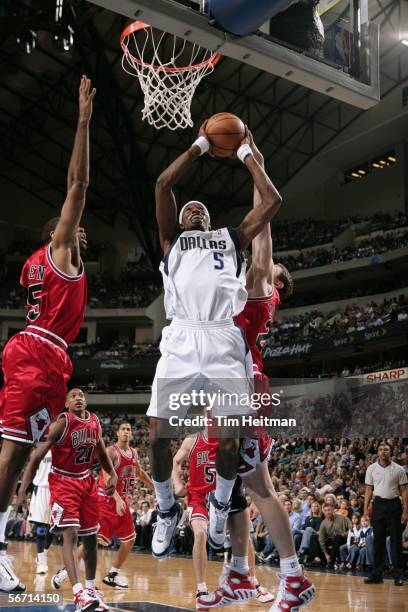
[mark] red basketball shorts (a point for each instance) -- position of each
(110, 523)
(196, 506)
(35, 380)
(74, 503)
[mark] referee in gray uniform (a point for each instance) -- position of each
(387, 481)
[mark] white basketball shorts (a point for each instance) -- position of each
(208, 357)
(40, 509)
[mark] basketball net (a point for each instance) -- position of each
(168, 86)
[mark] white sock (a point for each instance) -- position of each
(240, 564)
(113, 570)
(290, 566)
(223, 489)
(164, 494)
(77, 588)
(202, 587)
(89, 584)
(3, 524)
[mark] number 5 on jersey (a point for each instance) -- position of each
(219, 259)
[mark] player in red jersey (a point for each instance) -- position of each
(115, 517)
(267, 284)
(75, 440)
(201, 453)
(35, 364)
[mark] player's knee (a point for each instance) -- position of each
(261, 490)
(14, 456)
(70, 536)
(41, 531)
(89, 542)
(129, 543)
(200, 535)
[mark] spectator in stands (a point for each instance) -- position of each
(350, 551)
(332, 534)
(145, 526)
(366, 531)
(309, 545)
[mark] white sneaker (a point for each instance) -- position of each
(217, 524)
(9, 582)
(263, 595)
(42, 565)
(59, 578)
(114, 579)
(164, 530)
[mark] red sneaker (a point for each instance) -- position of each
(97, 594)
(84, 601)
(294, 592)
(235, 588)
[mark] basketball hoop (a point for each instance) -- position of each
(168, 85)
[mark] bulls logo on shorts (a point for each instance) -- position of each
(56, 514)
(39, 422)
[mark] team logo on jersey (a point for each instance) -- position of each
(39, 421)
(203, 458)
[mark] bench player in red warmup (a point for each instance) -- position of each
(115, 517)
(267, 284)
(75, 440)
(35, 363)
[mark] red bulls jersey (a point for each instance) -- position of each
(256, 320)
(74, 452)
(202, 465)
(125, 471)
(56, 302)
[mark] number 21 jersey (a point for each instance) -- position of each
(74, 452)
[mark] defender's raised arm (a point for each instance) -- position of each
(269, 197)
(64, 238)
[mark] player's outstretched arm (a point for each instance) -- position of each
(269, 199)
(260, 274)
(144, 477)
(65, 239)
(55, 431)
(166, 206)
(110, 475)
(178, 460)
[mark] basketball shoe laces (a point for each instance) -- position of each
(162, 524)
(221, 516)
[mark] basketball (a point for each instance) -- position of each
(225, 132)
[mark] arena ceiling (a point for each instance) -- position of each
(38, 109)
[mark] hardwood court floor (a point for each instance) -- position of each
(171, 582)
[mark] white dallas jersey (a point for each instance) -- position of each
(41, 475)
(204, 276)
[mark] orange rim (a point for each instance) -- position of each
(136, 26)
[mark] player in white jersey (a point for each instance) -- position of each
(40, 513)
(204, 283)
